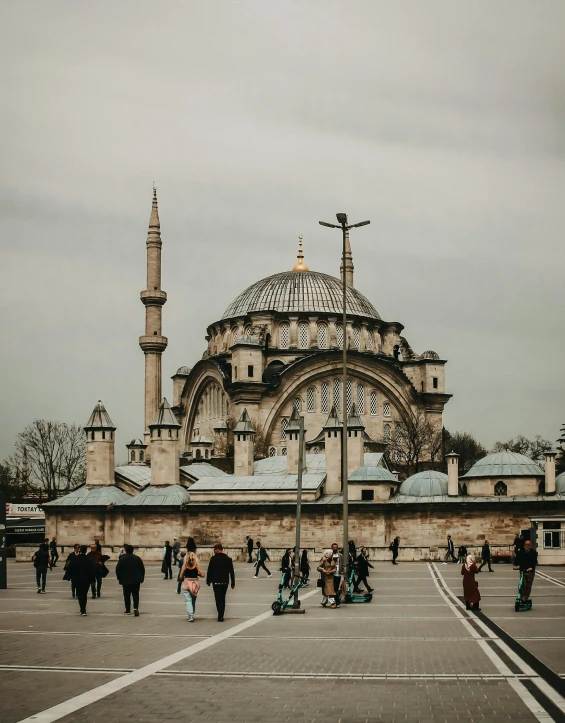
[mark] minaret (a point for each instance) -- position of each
(348, 262)
(153, 343)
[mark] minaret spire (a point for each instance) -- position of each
(348, 261)
(300, 265)
(153, 298)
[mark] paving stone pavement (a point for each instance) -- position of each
(413, 654)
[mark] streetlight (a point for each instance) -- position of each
(344, 226)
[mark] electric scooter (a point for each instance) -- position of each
(354, 597)
(521, 604)
(281, 604)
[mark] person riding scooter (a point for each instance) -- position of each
(526, 561)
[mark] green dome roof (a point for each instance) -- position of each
(504, 464)
(429, 483)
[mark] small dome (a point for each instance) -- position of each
(183, 370)
(505, 464)
(429, 355)
(429, 483)
(560, 484)
(136, 443)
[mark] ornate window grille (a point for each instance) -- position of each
(234, 336)
(339, 335)
(387, 432)
(284, 335)
(386, 409)
(284, 427)
(337, 394)
(316, 450)
(373, 403)
(356, 338)
(303, 335)
(298, 404)
(360, 399)
(272, 452)
(310, 399)
(322, 336)
(325, 397)
(349, 394)
(369, 341)
(500, 489)
(248, 330)
(283, 451)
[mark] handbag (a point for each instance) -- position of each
(319, 582)
(191, 585)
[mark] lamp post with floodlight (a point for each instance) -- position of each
(344, 226)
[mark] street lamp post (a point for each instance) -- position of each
(344, 226)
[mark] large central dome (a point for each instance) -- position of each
(292, 292)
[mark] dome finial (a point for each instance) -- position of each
(300, 265)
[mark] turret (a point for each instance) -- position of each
(243, 443)
(550, 472)
(100, 447)
(164, 431)
(452, 474)
(333, 429)
(136, 451)
(355, 441)
(153, 298)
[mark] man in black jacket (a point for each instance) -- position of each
(130, 572)
(220, 573)
(82, 573)
(526, 561)
(362, 566)
(41, 561)
(485, 554)
(249, 549)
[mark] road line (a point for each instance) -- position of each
(102, 691)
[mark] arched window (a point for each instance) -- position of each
(399, 434)
(386, 409)
(198, 454)
(141, 456)
(316, 450)
(387, 432)
(339, 336)
(283, 451)
(325, 397)
(360, 399)
(355, 338)
(322, 336)
(206, 454)
(132, 455)
(284, 335)
(369, 340)
(500, 489)
(349, 394)
(298, 404)
(247, 331)
(303, 335)
(310, 399)
(272, 452)
(234, 335)
(337, 394)
(284, 426)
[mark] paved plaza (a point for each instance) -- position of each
(413, 654)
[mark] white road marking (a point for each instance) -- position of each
(92, 696)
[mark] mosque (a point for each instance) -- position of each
(221, 462)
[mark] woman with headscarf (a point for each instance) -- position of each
(470, 586)
(327, 568)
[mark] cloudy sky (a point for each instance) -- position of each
(441, 122)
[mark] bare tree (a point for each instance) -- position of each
(14, 487)
(532, 448)
(415, 440)
(466, 446)
(56, 456)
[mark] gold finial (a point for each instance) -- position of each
(300, 265)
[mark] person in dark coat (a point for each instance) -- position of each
(130, 572)
(393, 547)
(262, 557)
(526, 561)
(219, 574)
(41, 561)
(286, 568)
(304, 567)
(462, 554)
(98, 560)
(66, 576)
(191, 545)
(362, 566)
(518, 543)
(485, 555)
(54, 552)
(167, 558)
(249, 542)
(470, 587)
(450, 554)
(82, 572)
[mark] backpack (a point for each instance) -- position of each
(391, 546)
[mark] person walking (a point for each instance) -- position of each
(327, 569)
(363, 565)
(167, 557)
(53, 552)
(526, 561)
(41, 561)
(98, 562)
(66, 576)
(180, 563)
(485, 556)
(471, 592)
(393, 547)
(286, 568)
(304, 567)
(191, 545)
(450, 553)
(219, 574)
(518, 543)
(461, 554)
(130, 572)
(188, 575)
(262, 555)
(176, 550)
(83, 574)
(98, 546)
(249, 542)
(338, 560)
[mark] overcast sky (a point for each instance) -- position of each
(441, 122)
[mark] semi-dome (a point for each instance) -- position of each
(560, 484)
(291, 292)
(428, 483)
(505, 464)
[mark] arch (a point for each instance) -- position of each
(284, 335)
(303, 335)
(132, 456)
(198, 454)
(205, 454)
(141, 456)
(206, 373)
(500, 489)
